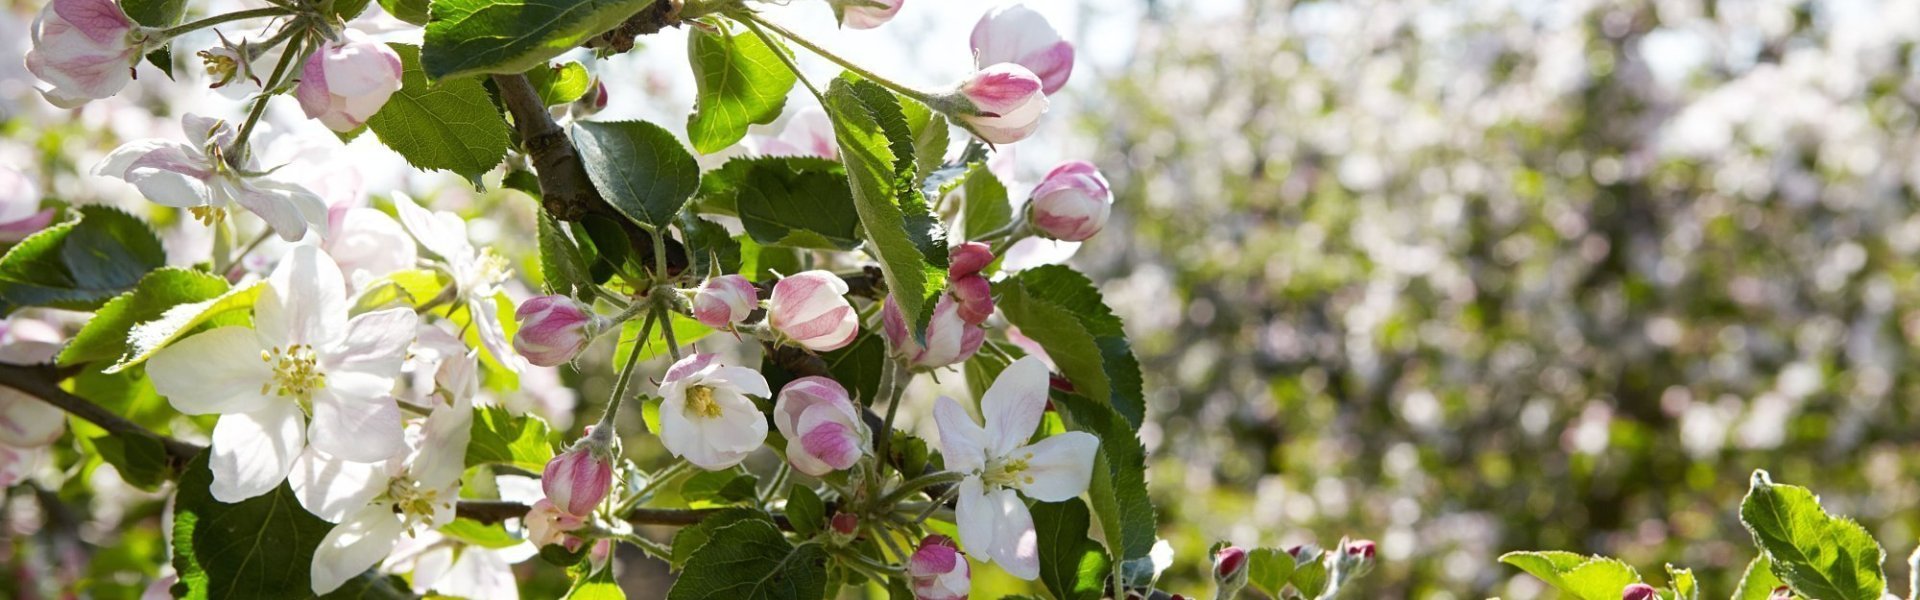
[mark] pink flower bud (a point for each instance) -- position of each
(548, 525)
(823, 429)
(950, 339)
(1781, 593)
(1071, 203)
(1229, 563)
(345, 83)
(1362, 549)
(1016, 34)
(865, 14)
(939, 571)
(1639, 591)
(811, 309)
(577, 480)
(969, 259)
(598, 555)
(86, 48)
(974, 298)
(1006, 102)
(553, 329)
(845, 523)
(725, 300)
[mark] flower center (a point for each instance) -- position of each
(1007, 471)
(208, 215)
(493, 267)
(296, 372)
(415, 503)
(700, 402)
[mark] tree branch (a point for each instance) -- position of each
(42, 381)
(495, 511)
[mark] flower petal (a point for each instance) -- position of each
(26, 421)
(443, 233)
(334, 489)
(217, 372)
(1059, 467)
(305, 301)
(358, 429)
(354, 546)
(375, 346)
(962, 443)
(486, 319)
(748, 381)
(1015, 544)
(252, 452)
(1013, 405)
(973, 518)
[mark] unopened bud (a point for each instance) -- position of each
(554, 329)
(939, 571)
(1230, 570)
(1002, 103)
(1072, 203)
(1781, 593)
(1638, 591)
(969, 259)
(725, 300)
(845, 526)
(578, 479)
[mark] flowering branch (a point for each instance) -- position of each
(42, 381)
(495, 511)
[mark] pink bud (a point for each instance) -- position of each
(576, 480)
(553, 329)
(1638, 591)
(865, 14)
(1781, 593)
(1361, 548)
(1229, 562)
(969, 259)
(950, 339)
(1071, 203)
(823, 429)
(1006, 103)
(345, 83)
(1016, 34)
(845, 523)
(939, 571)
(725, 300)
(86, 48)
(974, 297)
(548, 525)
(811, 309)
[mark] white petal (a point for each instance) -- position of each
(748, 381)
(741, 427)
(170, 188)
(443, 232)
(443, 455)
(480, 573)
(486, 319)
(358, 429)
(375, 345)
(26, 421)
(973, 516)
(216, 372)
(1015, 544)
(1059, 467)
(962, 443)
(252, 452)
(305, 301)
(334, 489)
(1013, 405)
(354, 546)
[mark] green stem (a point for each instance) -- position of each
(626, 376)
(659, 477)
(752, 18)
(223, 245)
(173, 32)
(919, 483)
(791, 66)
(778, 481)
(237, 156)
(666, 332)
(891, 385)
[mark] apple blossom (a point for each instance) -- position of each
(969, 258)
(87, 49)
(343, 83)
(1002, 103)
(810, 308)
(1639, 591)
(578, 479)
(367, 244)
(1016, 34)
(448, 567)
(547, 525)
(477, 273)
(20, 213)
(950, 339)
(822, 426)
(196, 176)
(1071, 203)
(25, 421)
(705, 415)
(401, 496)
(969, 286)
(724, 301)
(227, 62)
(303, 356)
(999, 465)
(554, 329)
(865, 14)
(1230, 570)
(939, 571)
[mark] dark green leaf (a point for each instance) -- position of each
(739, 81)
(140, 459)
(895, 231)
(857, 366)
(82, 263)
(719, 487)
(720, 187)
(805, 511)
(690, 539)
(511, 36)
(1060, 309)
(500, 437)
(639, 167)
(104, 337)
(1071, 566)
(1579, 577)
(561, 262)
(709, 248)
(801, 209)
(750, 560)
(1820, 555)
(346, 10)
(1118, 492)
(155, 13)
(261, 547)
(150, 336)
(450, 124)
(411, 11)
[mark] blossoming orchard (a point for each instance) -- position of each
(454, 298)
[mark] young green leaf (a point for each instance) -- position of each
(80, 264)
(1759, 581)
(1579, 577)
(751, 560)
(638, 167)
(150, 336)
(448, 124)
(560, 83)
(1118, 491)
(500, 437)
(1821, 556)
(1269, 570)
(984, 205)
(1682, 583)
(510, 36)
(738, 81)
(1072, 566)
(805, 511)
(104, 337)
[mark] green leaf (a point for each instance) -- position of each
(1269, 570)
(750, 560)
(738, 81)
(500, 437)
(598, 585)
(1682, 583)
(140, 459)
(709, 248)
(1071, 566)
(639, 167)
(560, 83)
(1821, 556)
(104, 337)
(480, 534)
(720, 187)
(691, 539)
(346, 10)
(1060, 309)
(805, 511)
(800, 209)
(1310, 574)
(562, 263)
(150, 336)
(411, 11)
(726, 486)
(261, 547)
(984, 208)
(510, 36)
(929, 130)
(449, 124)
(82, 263)
(858, 365)
(1118, 491)
(1759, 581)
(1579, 577)
(896, 232)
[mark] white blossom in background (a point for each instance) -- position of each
(477, 273)
(303, 356)
(196, 176)
(20, 213)
(27, 424)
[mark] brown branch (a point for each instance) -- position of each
(655, 17)
(495, 511)
(43, 381)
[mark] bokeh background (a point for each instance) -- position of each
(1462, 277)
